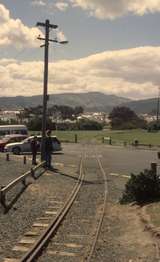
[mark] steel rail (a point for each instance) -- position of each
(88, 255)
(44, 238)
(19, 179)
(42, 164)
(5, 189)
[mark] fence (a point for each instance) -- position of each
(21, 179)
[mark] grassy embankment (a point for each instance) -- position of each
(118, 136)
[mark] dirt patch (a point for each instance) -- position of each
(152, 211)
(124, 238)
(149, 216)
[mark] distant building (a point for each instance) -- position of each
(148, 118)
(9, 115)
(100, 117)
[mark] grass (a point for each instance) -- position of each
(118, 136)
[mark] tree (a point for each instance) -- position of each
(35, 124)
(125, 118)
(78, 110)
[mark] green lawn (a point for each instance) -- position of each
(128, 136)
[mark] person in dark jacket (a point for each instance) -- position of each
(34, 149)
(48, 149)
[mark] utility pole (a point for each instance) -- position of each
(158, 106)
(47, 27)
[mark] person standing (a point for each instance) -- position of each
(48, 149)
(34, 149)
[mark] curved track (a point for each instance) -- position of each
(91, 223)
(88, 256)
(43, 240)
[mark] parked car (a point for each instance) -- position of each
(10, 139)
(25, 145)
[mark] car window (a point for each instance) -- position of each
(19, 139)
(12, 140)
(28, 139)
(55, 140)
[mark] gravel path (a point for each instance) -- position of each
(35, 200)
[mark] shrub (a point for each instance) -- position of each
(142, 188)
(154, 126)
(86, 124)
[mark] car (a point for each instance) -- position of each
(25, 145)
(10, 139)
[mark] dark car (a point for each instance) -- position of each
(10, 139)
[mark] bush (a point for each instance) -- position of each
(86, 124)
(35, 124)
(142, 188)
(154, 126)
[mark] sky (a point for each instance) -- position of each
(114, 47)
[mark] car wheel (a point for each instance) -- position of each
(16, 150)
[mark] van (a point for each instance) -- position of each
(13, 129)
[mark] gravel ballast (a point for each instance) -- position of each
(35, 200)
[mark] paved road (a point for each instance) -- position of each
(116, 159)
(126, 161)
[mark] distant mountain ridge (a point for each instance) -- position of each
(91, 102)
(143, 106)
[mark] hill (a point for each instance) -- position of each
(92, 101)
(143, 106)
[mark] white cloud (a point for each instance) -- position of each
(14, 32)
(62, 6)
(133, 73)
(38, 3)
(4, 14)
(110, 9)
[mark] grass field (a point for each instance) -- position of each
(128, 136)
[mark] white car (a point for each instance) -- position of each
(25, 145)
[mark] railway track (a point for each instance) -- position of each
(71, 228)
(90, 252)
